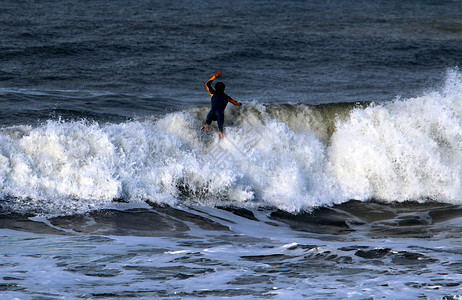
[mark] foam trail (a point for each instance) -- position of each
(291, 157)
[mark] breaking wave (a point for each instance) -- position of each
(290, 157)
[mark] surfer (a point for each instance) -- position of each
(219, 102)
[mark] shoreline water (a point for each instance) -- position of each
(174, 252)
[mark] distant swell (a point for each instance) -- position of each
(290, 157)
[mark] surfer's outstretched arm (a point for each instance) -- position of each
(234, 102)
(208, 84)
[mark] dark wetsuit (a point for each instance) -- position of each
(219, 102)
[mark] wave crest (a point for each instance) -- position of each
(291, 157)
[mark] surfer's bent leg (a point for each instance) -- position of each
(209, 118)
(220, 120)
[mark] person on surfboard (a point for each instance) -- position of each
(219, 102)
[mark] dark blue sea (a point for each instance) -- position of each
(340, 176)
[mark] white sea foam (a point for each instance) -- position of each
(403, 150)
(291, 157)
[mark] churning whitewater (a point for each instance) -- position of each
(293, 157)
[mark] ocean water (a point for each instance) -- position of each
(340, 177)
